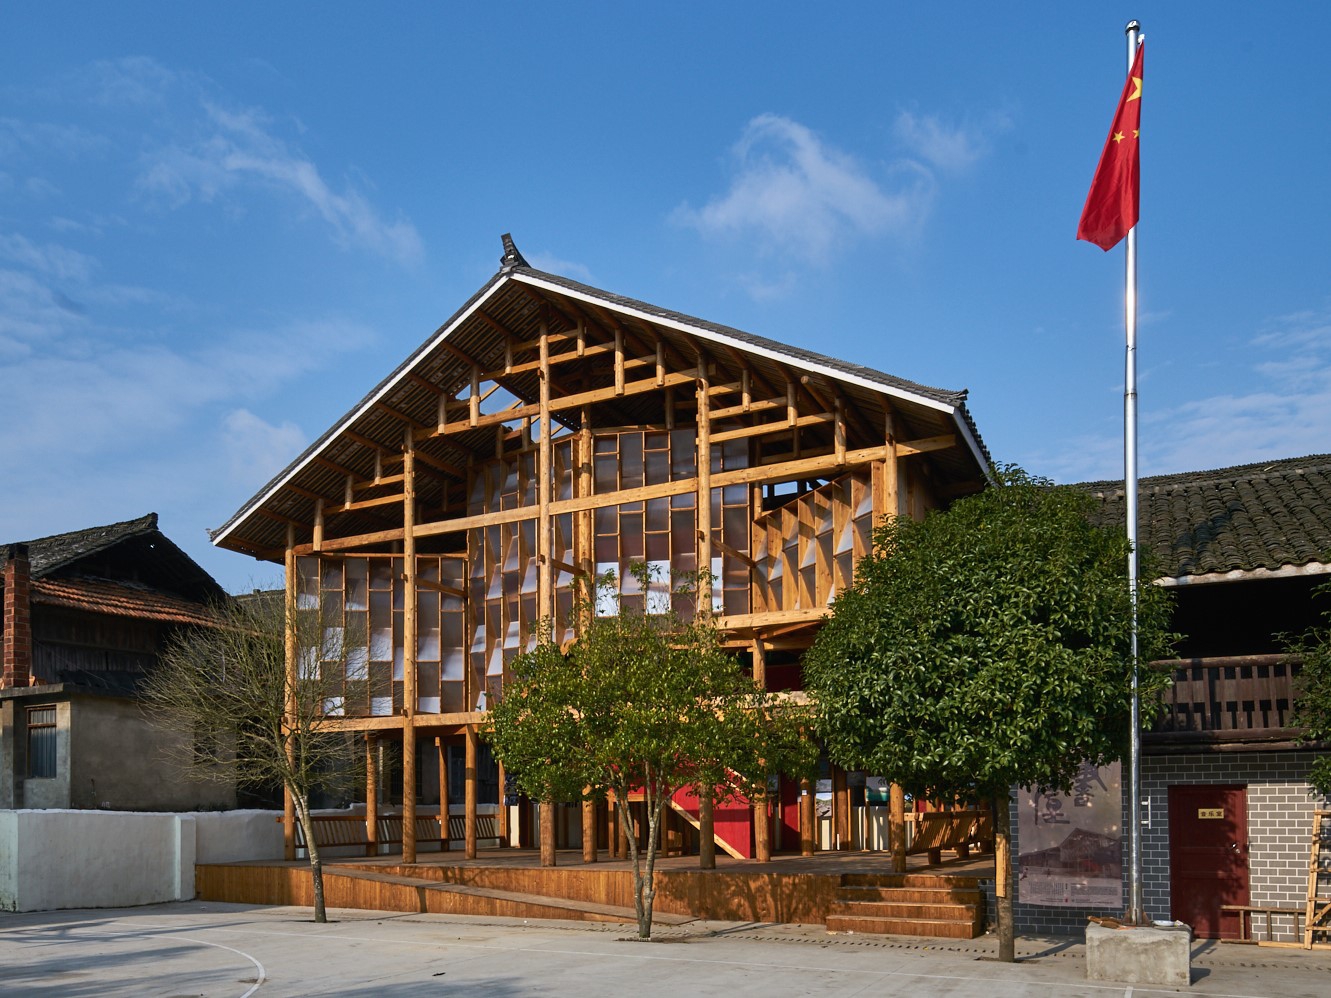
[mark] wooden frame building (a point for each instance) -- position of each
(550, 429)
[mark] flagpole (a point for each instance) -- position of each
(1135, 912)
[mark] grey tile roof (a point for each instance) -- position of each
(47, 554)
(156, 561)
(1271, 515)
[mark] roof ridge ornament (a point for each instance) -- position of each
(511, 258)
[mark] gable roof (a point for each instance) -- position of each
(1258, 520)
(511, 306)
(167, 566)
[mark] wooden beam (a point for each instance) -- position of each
(348, 507)
(437, 587)
(926, 444)
(736, 553)
(630, 388)
(768, 429)
(772, 618)
(762, 405)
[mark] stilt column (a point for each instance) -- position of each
(470, 798)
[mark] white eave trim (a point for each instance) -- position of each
(1247, 575)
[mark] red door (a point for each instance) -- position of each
(1208, 857)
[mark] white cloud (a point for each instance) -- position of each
(950, 148)
(49, 259)
(30, 313)
(134, 81)
(19, 138)
(798, 197)
(564, 268)
(240, 150)
(256, 449)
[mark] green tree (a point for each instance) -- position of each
(224, 689)
(1312, 706)
(987, 647)
(641, 702)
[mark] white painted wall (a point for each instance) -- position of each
(236, 836)
(104, 859)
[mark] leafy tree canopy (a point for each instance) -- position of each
(642, 702)
(987, 646)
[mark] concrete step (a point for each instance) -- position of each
(939, 928)
(922, 895)
(906, 909)
(922, 880)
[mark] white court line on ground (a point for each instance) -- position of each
(675, 957)
(174, 934)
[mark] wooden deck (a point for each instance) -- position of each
(512, 883)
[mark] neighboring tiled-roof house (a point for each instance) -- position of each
(1228, 813)
(86, 614)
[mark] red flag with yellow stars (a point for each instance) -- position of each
(1112, 204)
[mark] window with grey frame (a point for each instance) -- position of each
(41, 742)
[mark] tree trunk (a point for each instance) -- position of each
(706, 829)
(655, 807)
(626, 824)
(1007, 951)
(312, 851)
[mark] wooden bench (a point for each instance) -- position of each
(956, 830)
(351, 830)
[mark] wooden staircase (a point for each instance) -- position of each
(909, 904)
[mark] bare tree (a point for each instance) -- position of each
(248, 717)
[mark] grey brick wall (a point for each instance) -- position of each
(1280, 806)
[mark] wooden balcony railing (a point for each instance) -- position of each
(1234, 699)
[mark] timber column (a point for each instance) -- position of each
(409, 638)
(887, 503)
(371, 795)
(808, 818)
(469, 802)
(291, 651)
(545, 591)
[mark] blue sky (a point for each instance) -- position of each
(220, 225)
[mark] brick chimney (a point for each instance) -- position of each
(17, 655)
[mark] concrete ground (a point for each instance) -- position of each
(234, 951)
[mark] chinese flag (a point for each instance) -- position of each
(1112, 204)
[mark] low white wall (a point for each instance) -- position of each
(110, 859)
(236, 836)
